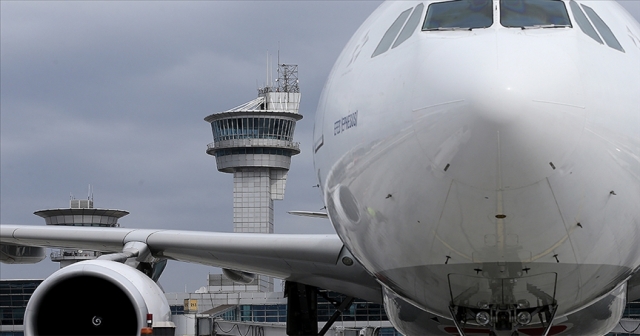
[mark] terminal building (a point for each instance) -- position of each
(14, 295)
(224, 308)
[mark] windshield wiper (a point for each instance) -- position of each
(448, 28)
(546, 26)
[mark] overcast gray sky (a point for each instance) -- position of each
(113, 94)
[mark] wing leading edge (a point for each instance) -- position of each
(310, 259)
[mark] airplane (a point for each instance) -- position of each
(479, 161)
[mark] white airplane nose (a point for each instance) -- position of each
(515, 107)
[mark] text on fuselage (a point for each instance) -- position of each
(345, 123)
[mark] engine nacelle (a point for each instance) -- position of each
(96, 297)
(19, 254)
(239, 276)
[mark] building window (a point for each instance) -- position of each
(360, 310)
(632, 310)
(177, 310)
(253, 128)
(14, 296)
(253, 150)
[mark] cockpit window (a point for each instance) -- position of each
(583, 22)
(461, 14)
(410, 27)
(534, 14)
(391, 33)
(604, 30)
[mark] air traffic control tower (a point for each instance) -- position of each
(254, 141)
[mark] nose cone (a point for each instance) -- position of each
(508, 112)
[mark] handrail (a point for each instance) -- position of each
(240, 143)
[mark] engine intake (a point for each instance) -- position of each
(95, 297)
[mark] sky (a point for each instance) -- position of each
(113, 95)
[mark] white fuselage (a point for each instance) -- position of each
(461, 158)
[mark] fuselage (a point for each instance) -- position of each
(487, 160)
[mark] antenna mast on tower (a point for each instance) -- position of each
(288, 78)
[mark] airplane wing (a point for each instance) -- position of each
(317, 260)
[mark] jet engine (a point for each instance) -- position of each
(97, 297)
